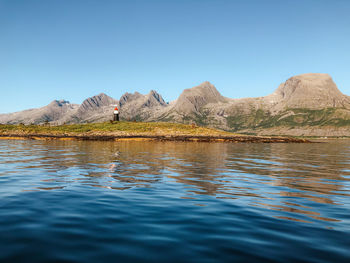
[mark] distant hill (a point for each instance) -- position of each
(94, 109)
(308, 104)
(56, 110)
(141, 107)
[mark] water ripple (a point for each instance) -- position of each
(163, 201)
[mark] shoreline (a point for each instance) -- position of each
(178, 138)
(122, 131)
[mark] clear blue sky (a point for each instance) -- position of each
(74, 49)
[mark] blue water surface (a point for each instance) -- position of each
(70, 201)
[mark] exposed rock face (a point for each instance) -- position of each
(308, 104)
(311, 91)
(154, 99)
(194, 106)
(140, 107)
(56, 110)
(304, 100)
(128, 97)
(94, 109)
(96, 102)
(194, 99)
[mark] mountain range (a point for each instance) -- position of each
(307, 104)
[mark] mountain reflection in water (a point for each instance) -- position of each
(287, 178)
(71, 201)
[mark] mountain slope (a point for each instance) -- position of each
(52, 112)
(94, 109)
(141, 107)
(312, 91)
(302, 101)
(308, 100)
(192, 100)
(98, 108)
(193, 104)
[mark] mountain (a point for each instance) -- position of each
(193, 103)
(54, 111)
(312, 91)
(194, 99)
(307, 104)
(141, 107)
(94, 109)
(98, 108)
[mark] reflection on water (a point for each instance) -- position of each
(297, 181)
(66, 201)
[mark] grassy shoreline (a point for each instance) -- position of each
(116, 128)
(131, 131)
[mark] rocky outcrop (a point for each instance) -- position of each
(194, 105)
(94, 109)
(96, 102)
(308, 91)
(194, 99)
(141, 107)
(98, 108)
(52, 112)
(302, 101)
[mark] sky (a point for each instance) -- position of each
(75, 49)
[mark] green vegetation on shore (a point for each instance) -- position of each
(116, 128)
(335, 117)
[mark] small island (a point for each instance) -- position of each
(119, 131)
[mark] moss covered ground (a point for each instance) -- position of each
(116, 128)
(291, 118)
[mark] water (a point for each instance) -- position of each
(68, 201)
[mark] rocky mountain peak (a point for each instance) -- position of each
(193, 99)
(97, 101)
(151, 99)
(206, 89)
(154, 99)
(59, 103)
(128, 97)
(313, 90)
